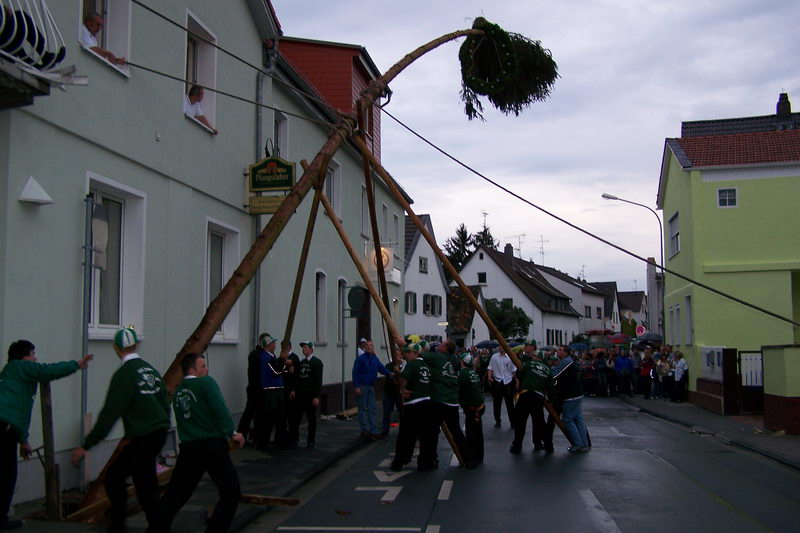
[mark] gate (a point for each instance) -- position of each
(751, 390)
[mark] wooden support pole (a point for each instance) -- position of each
(51, 475)
(398, 195)
(452, 441)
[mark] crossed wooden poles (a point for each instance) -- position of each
(313, 177)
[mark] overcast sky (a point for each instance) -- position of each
(631, 71)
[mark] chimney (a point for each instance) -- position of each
(784, 107)
(509, 251)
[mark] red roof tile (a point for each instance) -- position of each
(742, 148)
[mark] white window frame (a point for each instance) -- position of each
(689, 327)
(735, 197)
(410, 301)
(365, 230)
(321, 307)
(384, 222)
(231, 254)
(423, 265)
(674, 226)
(116, 33)
(280, 134)
(485, 278)
(132, 261)
(587, 311)
(333, 187)
(396, 231)
(599, 312)
(678, 324)
(427, 305)
(206, 69)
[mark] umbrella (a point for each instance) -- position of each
(650, 337)
(487, 345)
(579, 346)
(619, 338)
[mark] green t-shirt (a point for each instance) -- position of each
(136, 394)
(418, 380)
(470, 392)
(444, 377)
(200, 410)
(536, 376)
(309, 376)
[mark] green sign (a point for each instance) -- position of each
(271, 174)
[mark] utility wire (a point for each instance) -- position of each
(587, 232)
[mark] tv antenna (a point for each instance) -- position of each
(541, 248)
(519, 238)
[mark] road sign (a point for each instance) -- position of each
(640, 330)
(265, 205)
(271, 174)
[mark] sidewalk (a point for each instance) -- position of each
(272, 473)
(743, 431)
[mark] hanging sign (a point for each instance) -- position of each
(271, 174)
(265, 205)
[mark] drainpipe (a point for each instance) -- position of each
(257, 218)
(87, 309)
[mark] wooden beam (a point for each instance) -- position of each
(51, 473)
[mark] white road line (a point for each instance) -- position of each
(618, 432)
(600, 517)
(444, 492)
(390, 493)
(432, 529)
(353, 528)
(386, 463)
(454, 460)
(389, 477)
(662, 460)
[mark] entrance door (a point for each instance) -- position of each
(751, 370)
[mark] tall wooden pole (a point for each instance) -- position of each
(398, 195)
(51, 472)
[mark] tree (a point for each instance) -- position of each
(458, 247)
(485, 238)
(510, 320)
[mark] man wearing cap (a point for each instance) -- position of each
(138, 395)
(306, 393)
(254, 408)
(18, 383)
(365, 370)
(289, 399)
(501, 378)
(416, 417)
(362, 346)
(272, 370)
(470, 397)
(204, 427)
(535, 379)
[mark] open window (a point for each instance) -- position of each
(115, 33)
(201, 65)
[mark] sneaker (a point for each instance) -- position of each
(575, 449)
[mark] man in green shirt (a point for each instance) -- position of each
(138, 395)
(306, 391)
(204, 427)
(535, 379)
(18, 382)
(470, 397)
(416, 416)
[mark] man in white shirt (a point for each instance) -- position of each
(501, 382)
(191, 106)
(91, 25)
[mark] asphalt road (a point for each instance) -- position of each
(642, 474)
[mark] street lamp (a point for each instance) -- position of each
(607, 196)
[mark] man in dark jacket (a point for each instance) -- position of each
(568, 390)
(254, 408)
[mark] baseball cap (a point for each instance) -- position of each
(414, 347)
(466, 357)
(125, 338)
(266, 338)
(362, 339)
(307, 343)
(530, 342)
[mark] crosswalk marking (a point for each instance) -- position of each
(444, 492)
(390, 493)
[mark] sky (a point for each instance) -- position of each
(630, 72)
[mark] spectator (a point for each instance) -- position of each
(365, 370)
(647, 373)
(663, 377)
(501, 378)
(568, 391)
(623, 366)
(601, 368)
(681, 376)
(191, 106)
(87, 37)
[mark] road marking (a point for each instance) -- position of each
(618, 432)
(354, 528)
(390, 493)
(444, 492)
(600, 517)
(388, 477)
(663, 460)
(432, 529)
(454, 460)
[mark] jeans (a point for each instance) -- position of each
(572, 417)
(367, 409)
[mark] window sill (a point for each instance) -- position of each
(107, 333)
(223, 340)
(673, 255)
(201, 125)
(320, 343)
(123, 70)
(340, 345)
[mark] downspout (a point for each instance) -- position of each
(257, 218)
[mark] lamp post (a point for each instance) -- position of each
(607, 196)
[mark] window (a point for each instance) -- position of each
(341, 330)
(482, 278)
(423, 265)
(587, 311)
(364, 212)
(397, 231)
(480, 256)
(674, 235)
(118, 282)
(689, 329)
(320, 308)
(333, 187)
(672, 325)
(427, 306)
(411, 303)
(201, 63)
(437, 306)
(280, 136)
(726, 197)
(599, 312)
(384, 222)
(222, 257)
(677, 327)
(114, 35)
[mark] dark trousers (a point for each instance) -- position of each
(448, 415)
(390, 401)
(303, 403)
(137, 460)
(195, 459)
(530, 404)
(679, 389)
(500, 393)
(473, 427)
(416, 423)
(8, 468)
(253, 413)
(274, 417)
(624, 383)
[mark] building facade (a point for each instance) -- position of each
(426, 290)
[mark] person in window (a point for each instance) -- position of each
(91, 25)
(191, 106)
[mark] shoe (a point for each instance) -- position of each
(377, 436)
(426, 467)
(549, 449)
(585, 448)
(397, 467)
(516, 450)
(471, 465)
(575, 449)
(366, 435)
(538, 448)
(11, 524)
(497, 424)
